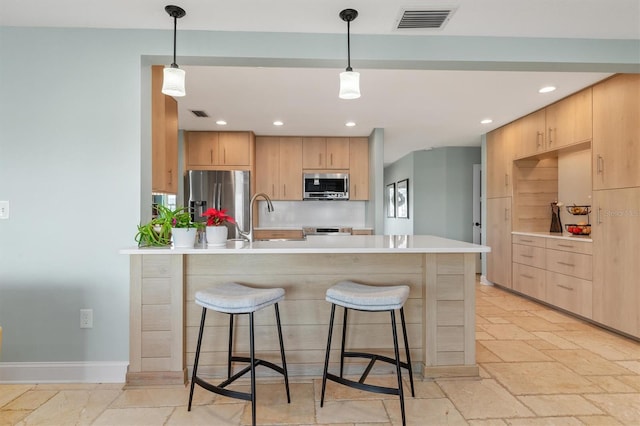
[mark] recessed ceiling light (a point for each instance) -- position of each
(486, 121)
(221, 123)
(350, 123)
(278, 123)
(547, 89)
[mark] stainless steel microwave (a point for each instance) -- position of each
(326, 186)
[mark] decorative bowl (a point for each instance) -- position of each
(579, 210)
(575, 229)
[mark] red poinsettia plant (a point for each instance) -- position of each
(217, 217)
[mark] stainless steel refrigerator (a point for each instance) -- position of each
(221, 190)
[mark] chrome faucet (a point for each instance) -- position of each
(249, 235)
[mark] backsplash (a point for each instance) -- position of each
(295, 214)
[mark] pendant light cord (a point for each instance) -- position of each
(349, 46)
(175, 30)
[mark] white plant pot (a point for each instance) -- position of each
(217, 236)
(183, 237)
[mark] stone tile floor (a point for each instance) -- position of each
(537, 367)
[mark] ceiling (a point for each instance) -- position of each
(419, 109)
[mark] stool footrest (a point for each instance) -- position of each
(363, 386)
(373, 358)
(220, 388)
(246, 396)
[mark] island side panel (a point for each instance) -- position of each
(304, 312)
(449, 315)
(157, 320)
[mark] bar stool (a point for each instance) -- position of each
(351, 295)
(235, 299)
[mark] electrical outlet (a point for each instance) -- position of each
(4, 210)
(86, 318)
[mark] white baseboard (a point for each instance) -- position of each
(63, 372)
(484, 280)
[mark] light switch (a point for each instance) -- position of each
(4, 210)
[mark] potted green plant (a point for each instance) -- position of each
(217, 230)
(167, 225)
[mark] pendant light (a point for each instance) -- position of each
(173, 77)
(349, 79)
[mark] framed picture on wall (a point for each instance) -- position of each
(391, 200)
(402, 199)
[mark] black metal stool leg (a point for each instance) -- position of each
(406, 348)
(398, 370)
(326, 357)
(229, 356)
(253, 370)
(195, 362)
(344, 338)
(284, 360)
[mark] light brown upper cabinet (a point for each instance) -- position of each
(222, 149)
(358, 168)
(532, 134)
(325, 153)
(501, 144)
(569, 120)
(164, 137)
(279, 167)
(616, 137)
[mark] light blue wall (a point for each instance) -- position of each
(75, 154)
(440, 192)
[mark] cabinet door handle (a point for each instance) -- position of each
(550, 139)
(527, 255)
(526, 276)
(566, 264)
(319, 159)
(355, 191)
(565, 245)
(506, 214)
(284, 189)
(527, 241)
(599, 164)
(565, 287)
(273, 189)
(211, 156)
(170, 176)
(599, 211)
(331, 159)
(539, 136)
(506, 179)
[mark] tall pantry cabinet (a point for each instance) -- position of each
(616, 203)
(500, 154)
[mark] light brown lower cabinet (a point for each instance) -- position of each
(616, 256)
(556, 271)
(499, 239)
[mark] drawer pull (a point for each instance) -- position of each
(565, 245)
(526, 276)
(527, 241)
(526, 255)
(565, 287)
(566, 264)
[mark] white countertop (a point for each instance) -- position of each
(330, 244)
(563, 236)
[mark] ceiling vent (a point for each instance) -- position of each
(433, 19)
(199, 113)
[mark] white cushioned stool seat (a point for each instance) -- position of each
(234, 298)
(367, 297)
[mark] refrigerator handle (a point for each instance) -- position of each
(219, 197)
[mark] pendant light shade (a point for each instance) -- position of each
(349, 85)
(173, 82)
(349, 79)
(173, 77)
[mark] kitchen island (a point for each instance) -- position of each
(440, 312)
